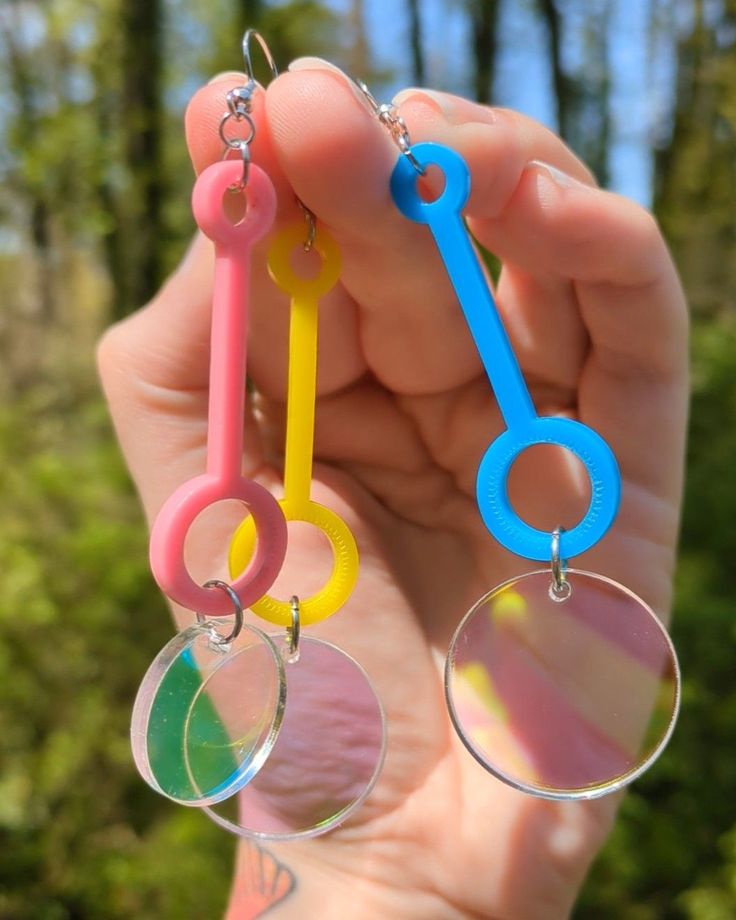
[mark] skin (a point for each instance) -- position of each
(598, 320)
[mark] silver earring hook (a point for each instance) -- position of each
(240, 104)
(250, 34)
(388, 114)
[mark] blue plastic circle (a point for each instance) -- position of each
(506, 525)
(452, 198)
(524, 428)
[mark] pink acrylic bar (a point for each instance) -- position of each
(223, 479)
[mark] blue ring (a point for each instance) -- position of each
(506, 525)
(451, 200)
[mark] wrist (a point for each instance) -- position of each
(282, 881)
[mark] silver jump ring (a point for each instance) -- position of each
(388, 114)
(560, 589)
(235, 143)
(242, 144)
(240, 103)
(311, 222)
(229, 590)
(405, 148)
(369, 97)
(293, 632)
(244, 151)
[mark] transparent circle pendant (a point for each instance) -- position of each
(202, 729)
(564, 696)
(328, 755)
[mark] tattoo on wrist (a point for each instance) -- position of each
(261, 882)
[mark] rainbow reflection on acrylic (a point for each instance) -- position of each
(563, 699)
(200, 747)
(328, 755)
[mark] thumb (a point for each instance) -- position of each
(154, 368)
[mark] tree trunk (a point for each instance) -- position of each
(141, 122)
(696, 181)
(484, 38)
(415, 43)
(247, 16)
(582, 105)
(564, 93)
(22, 80)
(359, 59)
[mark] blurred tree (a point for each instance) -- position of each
(696, 180)
(358, 56)
(248, 15)
(483, 16)
(24, 83)
(562, 89)
(582, 86)
(418, 69)
(140, 209)
(95, 179)
(94, 184)
(651, 869)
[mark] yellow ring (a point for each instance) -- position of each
(279, 264)
(332, 596)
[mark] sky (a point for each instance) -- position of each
(639, 94)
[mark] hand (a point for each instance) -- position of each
(598, 321)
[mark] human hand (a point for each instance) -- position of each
(597, 318)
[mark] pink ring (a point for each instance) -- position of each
(172, 525)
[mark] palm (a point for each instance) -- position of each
(404, 415)
(425, 558)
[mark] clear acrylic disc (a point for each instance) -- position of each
(199, 746)
(563, 699)
(328, 755)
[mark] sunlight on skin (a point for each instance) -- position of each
(403, 418)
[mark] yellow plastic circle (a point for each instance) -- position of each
(279, 264)
(327, 600)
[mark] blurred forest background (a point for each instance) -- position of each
(94, 190)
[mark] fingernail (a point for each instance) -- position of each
(557, 175)
(315, 63)
(439, 101)
(318, 63)
(227, 75)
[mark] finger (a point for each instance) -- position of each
(341, 359)
(580, 266)
(562, 231)
(539, 213)
(155, 368)
(609, 252)
(162, 428)
(321, 127)
(339, 160)
(498, 146)
(524, 138)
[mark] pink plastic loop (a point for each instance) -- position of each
(169, 534)
(223, 479)
(207, 205)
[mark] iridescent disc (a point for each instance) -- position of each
(566, 698)
(327, 757)
(199, 747)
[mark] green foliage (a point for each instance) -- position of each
(80, 834)
(673, 854)
(80, 619)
